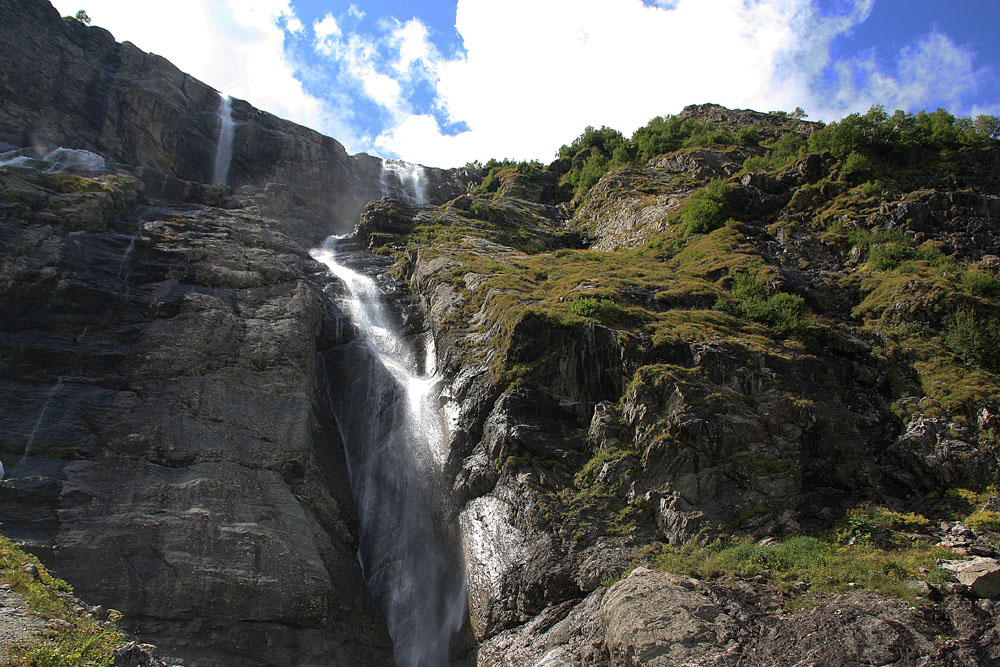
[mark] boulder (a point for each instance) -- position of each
(981, 575)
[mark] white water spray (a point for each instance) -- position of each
(224, 146)
(60, 160)
(404, 181)
(386, 405)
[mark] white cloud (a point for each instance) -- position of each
(328, 34)
(411, 39)
(534, 74)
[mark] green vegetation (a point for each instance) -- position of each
(975, 339)
(865, 522)
(981, 283)
(497, 171)
(83, 642)
(602, 309)
(826, 566)
(878, 136)
(597, 151)
(707, 209)
(748, 297)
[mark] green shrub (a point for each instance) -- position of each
(707, 209)
(747, 136)
(981, 283)
(987, 520)
(861, 522)
(602, 309)
(975, 339)
(889, 255)
(856, 166)
(749, 298)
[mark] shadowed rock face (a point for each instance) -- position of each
(165, 423)
(67, 84)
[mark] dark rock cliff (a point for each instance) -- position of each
(166, 434)
(70, 85)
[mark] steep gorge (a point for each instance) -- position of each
(266, 455)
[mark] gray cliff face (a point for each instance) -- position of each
(67, 84)
(166, 431)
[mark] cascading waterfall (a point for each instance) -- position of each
(387, 411)
(404, 181)
(224, 146)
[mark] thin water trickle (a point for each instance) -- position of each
(386, 406)
(128, 252)
(41, 417)
(224, 146)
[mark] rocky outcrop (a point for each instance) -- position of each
(654, 618)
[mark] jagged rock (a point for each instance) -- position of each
(653, 618)
(133, 654)
(930, 457)
(981, 575)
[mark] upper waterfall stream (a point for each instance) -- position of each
(385, 399)
(224, 145)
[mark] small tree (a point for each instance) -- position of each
(82, 17)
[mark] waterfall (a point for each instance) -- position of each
(224, 146)
(386, 406)
(404, 181)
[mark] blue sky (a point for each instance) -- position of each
(446, 82)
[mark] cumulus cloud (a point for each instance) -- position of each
(933, 70)
(328, 33)
(532, 74)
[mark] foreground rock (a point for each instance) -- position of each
(655, 618)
